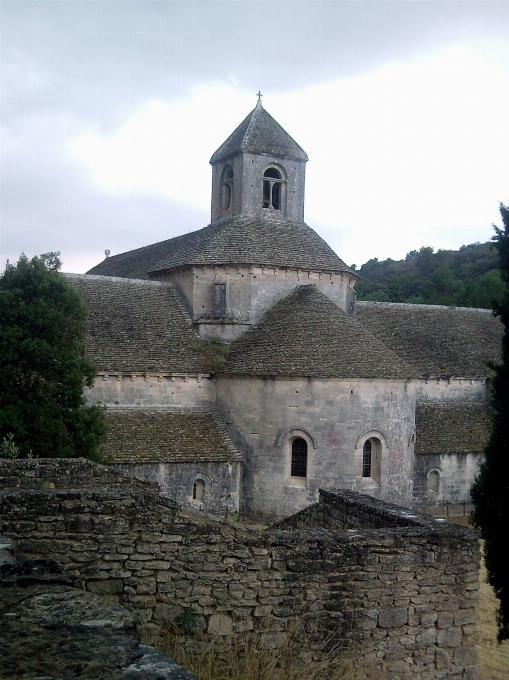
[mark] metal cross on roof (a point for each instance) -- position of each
(260, 95)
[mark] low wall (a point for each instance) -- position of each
(51, 629)
(349, 570)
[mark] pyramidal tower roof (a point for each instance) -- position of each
(259, 133)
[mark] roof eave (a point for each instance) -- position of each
(215, 159)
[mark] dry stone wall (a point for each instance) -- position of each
(51, 629)
(349, 570)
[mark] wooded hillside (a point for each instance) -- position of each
(468, 277)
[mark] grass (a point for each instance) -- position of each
(212, 352)
(253, 658)
(493, 657)
(250, 659)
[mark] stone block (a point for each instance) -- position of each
(273, 640)
(465, 656)
(465, 617)
(106, 587)
(146, 587)
(427, 637)
(428, 620)
(393, 617)
(242, 626)
(220, 624)
(444, 619)
(165, 613)
(449, 637)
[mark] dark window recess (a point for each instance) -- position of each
(226, 189)
(276, 196)
(366, 459)
(219, 305)
(299, 458)
(198, 490)
(272, 189)
(266, 194)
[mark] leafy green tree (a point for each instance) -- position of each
(43, 367)
(442, 288)
(464, 277)
(486, 291)
(490, 491)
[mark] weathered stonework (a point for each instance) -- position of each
(51, 628)
(351, 570)
(283, 303)
(250, 292)
(151, 389)
(335, 416)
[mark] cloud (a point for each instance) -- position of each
(111, 110)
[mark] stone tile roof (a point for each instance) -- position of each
(306, 334)
(167, 435)
(265, 240)
(451, 426)
(435, 340)
(137, 326)
(259, 133)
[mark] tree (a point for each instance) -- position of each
(43, 367)
(490, 491)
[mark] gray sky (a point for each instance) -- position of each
(110, 111)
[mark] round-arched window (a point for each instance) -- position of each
(272, 189)
(434, 481)
(299, 467)
(198, 490)
(372, 459)
(226, 189)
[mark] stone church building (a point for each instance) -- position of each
(239, 371)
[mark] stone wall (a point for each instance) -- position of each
(402, 586)
(175, 480)
(149, 389)
(251, 291)
(450, 441)
(335, 416)
(52, 629)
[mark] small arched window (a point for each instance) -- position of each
(372, 459)
(198, 490)
(366, 459)
(272, 189)
(299, 467)
(434, 481)
(226, 190)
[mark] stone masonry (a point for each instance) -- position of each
(54, 630)
(350, 570)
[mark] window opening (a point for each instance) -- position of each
(272, 192)
(434, 481)
(366, 459)
(299, 457)
(219, 303)
(226, 189)
(198, 490)
(372, 459)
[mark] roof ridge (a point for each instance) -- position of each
(219, 420)
(119, 279)
(182, 306)
(259, 240)
(163, 407)
(254, 115)
(323, 342)
(414, 305)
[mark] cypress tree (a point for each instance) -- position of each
(43, 366)
(490, 491)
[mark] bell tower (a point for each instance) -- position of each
(259, 170)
